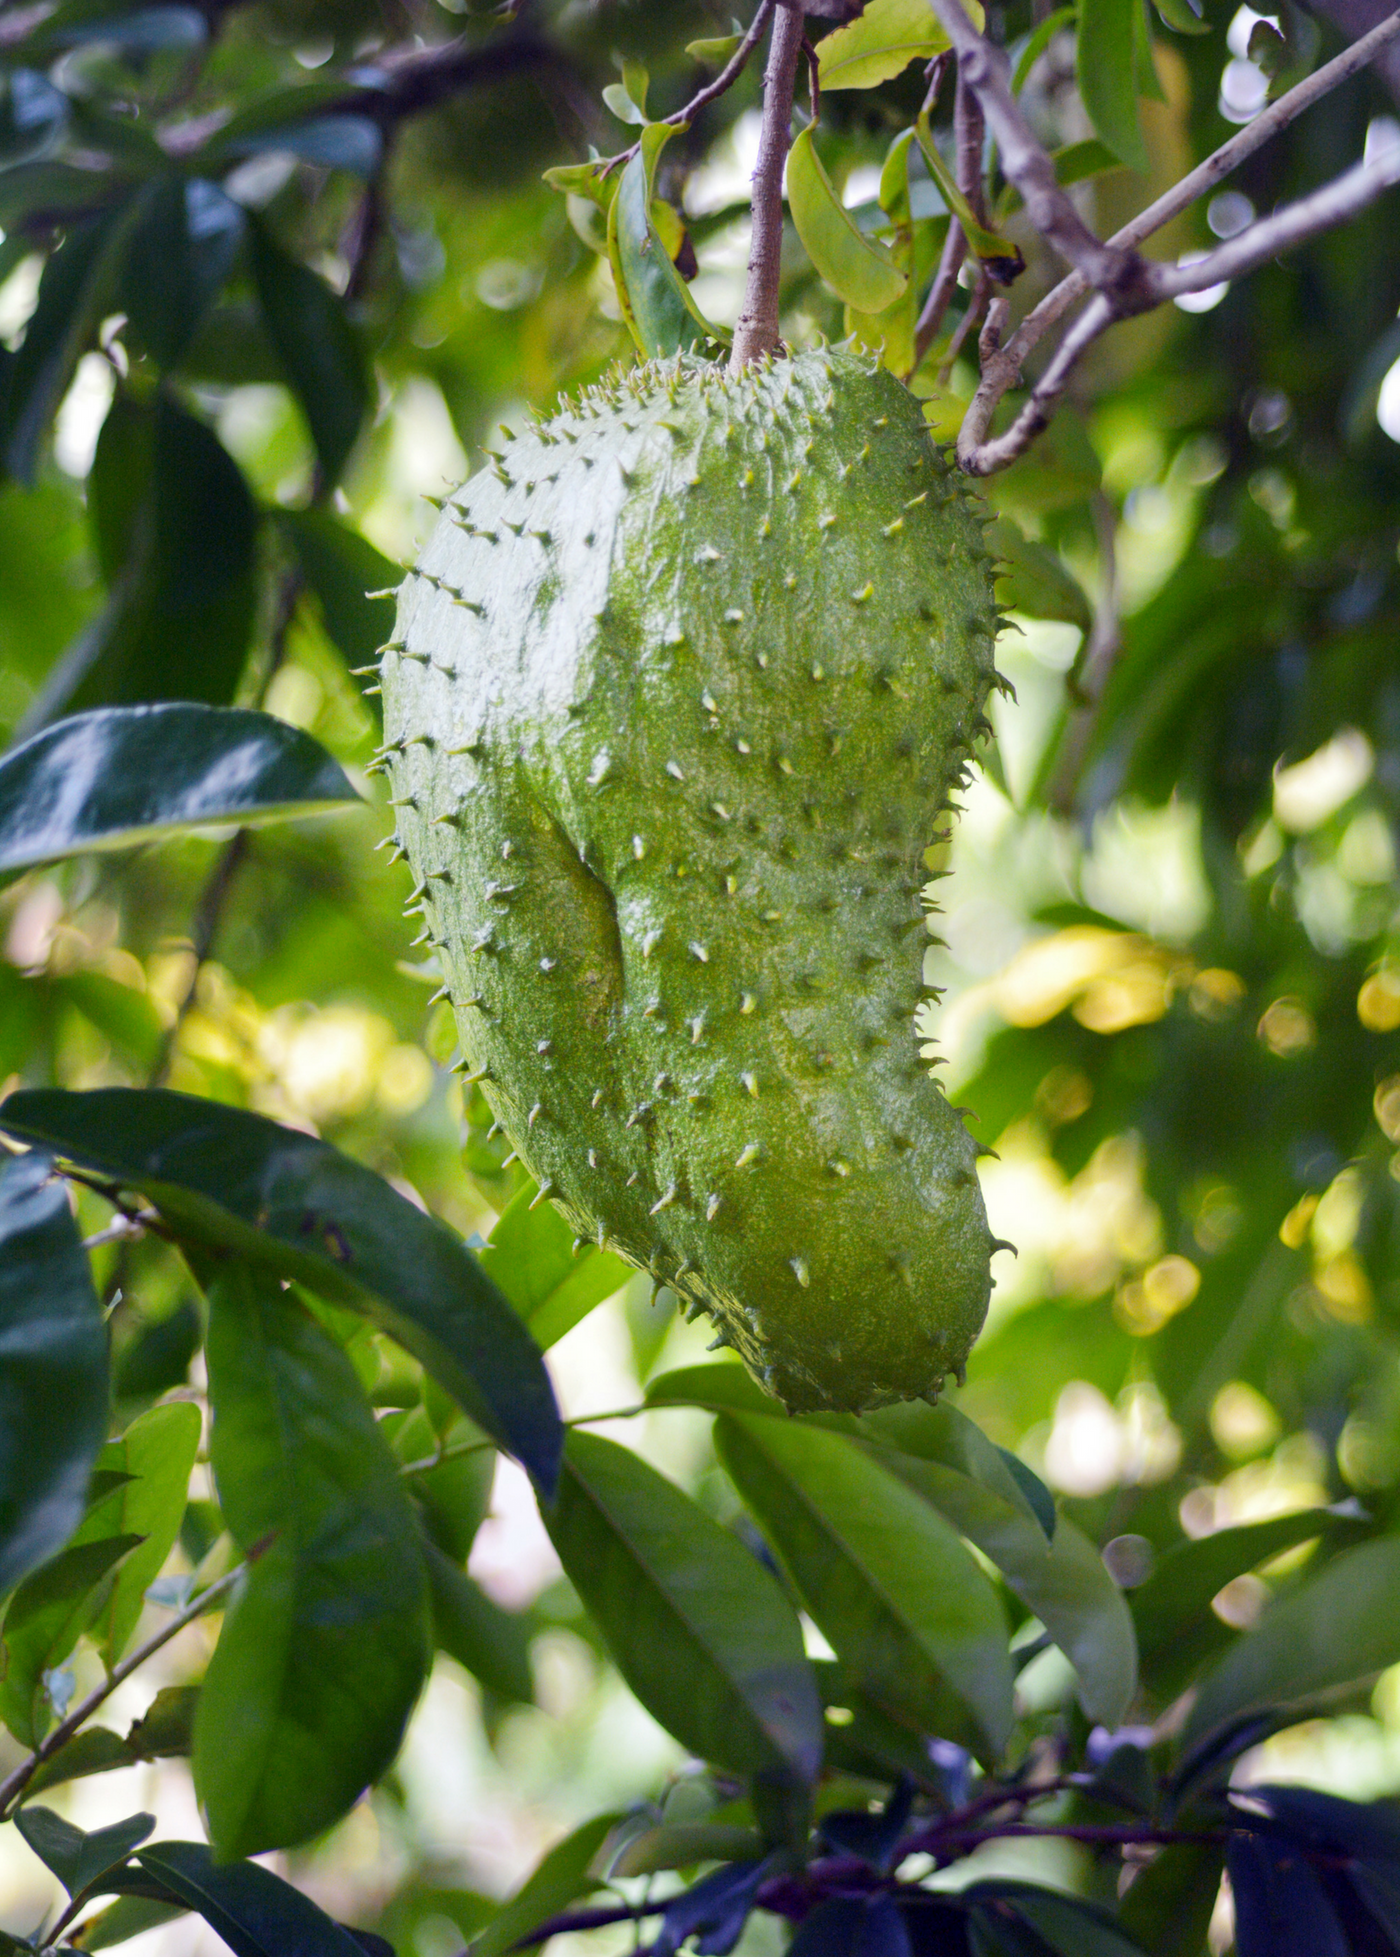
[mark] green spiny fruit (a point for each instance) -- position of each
(679, 689)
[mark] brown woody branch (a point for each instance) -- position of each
(1122, 282)
(757, 330)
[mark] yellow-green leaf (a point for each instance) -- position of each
(880, 44)
(858, 270)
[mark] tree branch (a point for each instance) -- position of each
(1025, 163)
(1003, 371)
(757, 329)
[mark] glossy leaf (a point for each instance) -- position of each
(491, 1643)
(562, 1877)
(341, 567)
(318, 347)
(697, 1627)
(530, 1255)
(1339, 1628)
(184, 238)
(53, 1368)
(858, 269)
(326, 1647)
(120, 776)
(81, 1860)
(659, 311)
(74, 292)
(158, 1452)
(176, 530)
(879, 44)
(905, 1607)
(1062, 1582)
(46, 1617)
(1106, 68)
(254, 1911)
(299, 1208)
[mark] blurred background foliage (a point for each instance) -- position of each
(270, 274)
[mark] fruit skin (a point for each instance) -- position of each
(678, 691)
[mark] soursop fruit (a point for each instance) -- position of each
(679, 690)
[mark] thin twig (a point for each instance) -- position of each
(757, 330)
(711, 92)
(15, 1782)
(1101, 654)
(969, 129)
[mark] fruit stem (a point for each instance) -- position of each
(757, 330)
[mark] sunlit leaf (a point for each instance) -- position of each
(660, 314)
(858, 269)
(157, 1451)
(530, 1254)
(45, 1619)
(908, 1612)
(879, 44)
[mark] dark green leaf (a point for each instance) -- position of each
(181, 249)
(96, 1750)
(698, 1628)
(177, 532)
(1106, 64)
(341, 567)
(530, 1254)
(1063, 1925)
(903, 1603)
(79, 1860)
(325, 1650)
(127, 1917)
(1170, 1902)
(254, 1911)
(318, 347)
(303, 1210)
(125, 775)
(158, 1452)
(1281, 1906)
(491, 1643)
(1337, 1630)
(723, 1387)
(53, 1368)
(73, 296)
(46, 1617)
(562, 1877)
(159, 1357)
